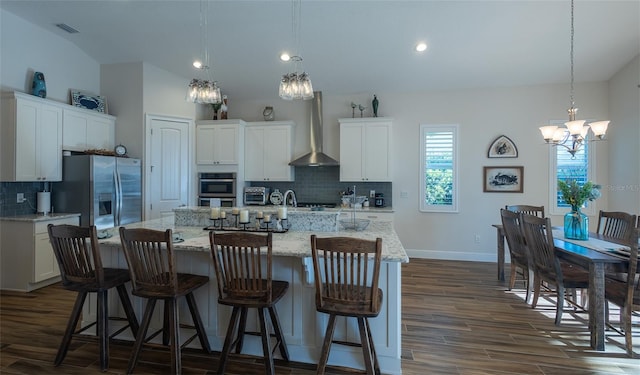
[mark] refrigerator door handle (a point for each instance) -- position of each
(118, 189)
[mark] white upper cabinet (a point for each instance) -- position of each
(268, 150)
(218, 142)
(31, 139)
(84, 129)
(365, 149)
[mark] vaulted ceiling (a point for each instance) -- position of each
(354, 46)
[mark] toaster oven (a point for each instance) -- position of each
(256, 195)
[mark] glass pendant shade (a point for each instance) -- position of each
(575, 127)
(599, 128)
(203, 92)
(296, 86)
(548, 132)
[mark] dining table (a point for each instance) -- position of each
(597, 254)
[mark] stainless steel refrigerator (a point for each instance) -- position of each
(105, 190)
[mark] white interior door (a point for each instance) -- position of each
(168, 165)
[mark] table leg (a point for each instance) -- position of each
(500, 239)
(596, 305)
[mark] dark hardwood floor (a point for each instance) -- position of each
(456, 319)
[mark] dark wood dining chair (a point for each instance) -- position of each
(626, 293)
(78, 255)
(243, 267)
(547, 266)
(152, 266)
(518, 250)
(616, 224)
(346, 272)
(526, 209)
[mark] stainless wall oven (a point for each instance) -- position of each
(217, 185)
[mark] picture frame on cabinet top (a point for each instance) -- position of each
(90, 101)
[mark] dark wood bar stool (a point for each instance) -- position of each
(346, 284)
(78, 256)
(245, 283)
(152, 265)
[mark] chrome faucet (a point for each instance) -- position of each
(293, 196)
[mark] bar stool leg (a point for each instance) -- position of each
(266, 348)
(326, 346)
(376, 365)
(174, 335)
(365, 342)
(71, 326)
(103, 329)
(128, 309)
(142, 334)
(226, 348)
(197, 322)
(275, 321)
(242, 326)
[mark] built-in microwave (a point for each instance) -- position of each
(217, 185)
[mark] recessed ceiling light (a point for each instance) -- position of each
(197, 64)
(421, 47)
(285, 57)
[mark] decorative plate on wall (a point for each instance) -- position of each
(89, 101)
(502, 147)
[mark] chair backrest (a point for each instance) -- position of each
(526, 209)
(151, 259)
(539, 237)
(346, 271)
(238, 262)
(77, 253)
(515, 239)
(616, 224)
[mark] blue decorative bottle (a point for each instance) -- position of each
(38, 87)
(576, 225)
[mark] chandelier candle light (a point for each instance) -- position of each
(204, 91)
(295, 85)
(575, 131)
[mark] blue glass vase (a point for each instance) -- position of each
(576, 225)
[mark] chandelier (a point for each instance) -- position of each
(574, 134)
(295, 85)
(203, 91)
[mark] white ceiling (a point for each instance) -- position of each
(354, 47)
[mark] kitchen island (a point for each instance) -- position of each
(303, 327)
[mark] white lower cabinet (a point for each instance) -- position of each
(28, 262)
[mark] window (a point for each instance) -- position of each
(566, 167)
(439, 168)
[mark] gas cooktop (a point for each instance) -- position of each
(315, 204)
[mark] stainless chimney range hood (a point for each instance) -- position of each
(316, 158)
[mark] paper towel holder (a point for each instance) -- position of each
(44, 202)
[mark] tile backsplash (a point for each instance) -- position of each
(8, 195)
(322, 185)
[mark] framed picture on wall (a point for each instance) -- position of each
(502, 147)
(503, 179)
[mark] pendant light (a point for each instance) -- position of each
(295, 85)
(574, 134)
(204, 91)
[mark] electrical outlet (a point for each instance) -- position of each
(477, 238)
(372, 193)
(404, 194)
(20, 198)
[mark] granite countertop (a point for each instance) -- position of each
(38, 217)
(291, 243)
(272, 209)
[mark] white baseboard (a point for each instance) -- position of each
(448, 255)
